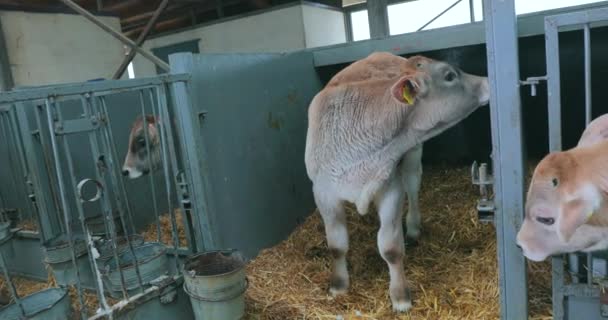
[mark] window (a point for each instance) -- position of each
(360, 25)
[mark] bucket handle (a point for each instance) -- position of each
(192, 295)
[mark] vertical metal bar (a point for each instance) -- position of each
(80, 209)
(377, 16)
(164, 127)
(553, 85)
(64, 201)
(472, 10)
(49, 164)
(589, 268)
(23, 165)
(47, 227)
(191, 242)
(11, 286)
(588, 111)
(507, 153)
(192, 151)
(151, 174)
(11, 157)
(555, 144)
(90, 102)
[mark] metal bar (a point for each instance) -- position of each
(80, 209)
(157, 61)
(507, 153)
(589, 268)
(192, 150)
(49, 165)
(6, 75)
(377, 16)
(163, 112)
(580, 17)
(150, 175)
(140, 39)
(553, 85)
(112, 164)
(98, 88)
(11, 286)
(4, 124)
(557, 286)
(440, 14)
(64, 203)
(472, 10)
(588, 111)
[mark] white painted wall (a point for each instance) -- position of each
(323, 27)
(286, 29)
(49, 48)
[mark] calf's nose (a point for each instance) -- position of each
(125, 173)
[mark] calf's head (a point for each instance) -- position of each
(565, 202)
(439, 94)
(142, 158)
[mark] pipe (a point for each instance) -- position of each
(587, 74)
(140, 40)
(437, 16)
(146, 53)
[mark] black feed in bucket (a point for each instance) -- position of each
(215, 263)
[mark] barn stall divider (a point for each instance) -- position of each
(90, 218)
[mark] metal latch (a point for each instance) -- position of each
(485, 205)
(532, 82)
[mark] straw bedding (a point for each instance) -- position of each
(452, 271)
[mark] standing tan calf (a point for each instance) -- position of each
(364, 144)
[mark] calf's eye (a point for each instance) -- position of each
(545, 221)
(450, 76)
(555, 182)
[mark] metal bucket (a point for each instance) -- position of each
(216, 283)
(59, 258)
(153, 263)
(106, 252)
(49, 304)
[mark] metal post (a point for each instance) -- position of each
(472, 10)
(6, 74)
(140, 40)
(553, 86)
(377, 16)
(146, 53)
(507, 153)
(588, 111)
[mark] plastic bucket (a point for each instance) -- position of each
(216, 283)
(49, 304)
(59, 258)
(153, 263)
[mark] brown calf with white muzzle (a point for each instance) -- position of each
(143, 154)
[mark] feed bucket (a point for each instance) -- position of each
(48, 304)
(105, 248)
(153, 263)
(59, 258)
(216, 283)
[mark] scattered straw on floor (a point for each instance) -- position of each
(28, 225)
(151, 232)
(452, 272)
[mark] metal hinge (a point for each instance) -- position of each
(485, 205)
(532, 82)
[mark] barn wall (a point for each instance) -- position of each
(51, 48)
(285, 29)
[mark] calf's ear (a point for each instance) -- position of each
(595, 132)
(406, 90)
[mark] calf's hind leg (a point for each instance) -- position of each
(390, 242)
(334, 219)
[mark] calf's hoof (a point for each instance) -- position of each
(411, 242)
(401, 299)
(337, 286)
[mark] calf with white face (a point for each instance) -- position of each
(364, 144)
(142, 159)
(567, 202)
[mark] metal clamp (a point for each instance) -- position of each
(485, 205)
(532, 82)
(98, 186)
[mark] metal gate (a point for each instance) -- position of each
(586, 277)
(89, 224)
